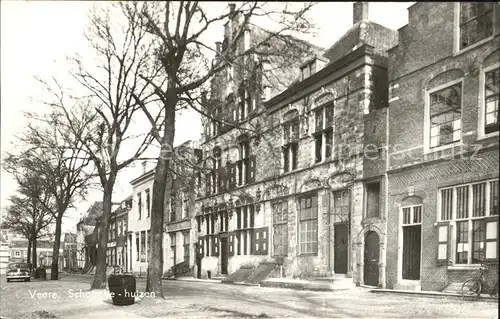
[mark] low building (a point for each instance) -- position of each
(5, 238)
(44, 249)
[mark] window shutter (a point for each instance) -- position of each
(443, 251)
(251, 169)
(255, 242)
(201, 245)
(215, 245)
(264, 241)
(230, 244)
(491, 249)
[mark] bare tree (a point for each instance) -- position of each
(61, 167)
(103, 122)
(29, 218)
(181, 29)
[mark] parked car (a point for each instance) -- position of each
(18, 271)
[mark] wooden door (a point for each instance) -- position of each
(223, 255)
(371, 259)
(340, 248)
(411, 252)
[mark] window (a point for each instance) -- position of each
(491, 97)
(148, 202)
(323, 132)
(143, 246)
(245, 164)
(217, 173)
(211, 240)
(372, 199)
(476, 22)
(186, 246)
(290, 145)
(308, 225)
(137, 246)
(173, 248)
(17, 253)
(308, 69)
(185, 208)
(245, 219)
(245, 101)
(445, 115)
(139, 204)
(280, 228)
(473, 209)
(341, 206)
(148, 246)
(173, 199)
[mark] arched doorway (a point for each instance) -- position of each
(371, 259)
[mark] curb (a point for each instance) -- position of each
(433, 294)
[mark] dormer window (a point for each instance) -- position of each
(308, 69)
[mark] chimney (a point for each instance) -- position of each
(232, 6)
(144, 167)
(359, 12)
(218, 45)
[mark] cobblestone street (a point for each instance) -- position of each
(209, 300)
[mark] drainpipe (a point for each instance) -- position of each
(386, 177)
(329, 233)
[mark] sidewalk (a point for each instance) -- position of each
(482, 297)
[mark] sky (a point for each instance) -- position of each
(37, 35)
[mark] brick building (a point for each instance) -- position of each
(116, 254)
(293, 184)
(179, 242)
(178, 239)
(443, 130)
(139, 221)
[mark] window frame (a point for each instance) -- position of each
(321, 135)
(300, 220)
(481, 127)
(139, 205)
(453, 222)
(281, 223)
(427, 117)
(290, 145)
(148, 201)
(365, 186)
(456, 31)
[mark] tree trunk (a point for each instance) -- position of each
(54, 271)
(34, 253)
(102, 237)
(28, 257)
(155, 263)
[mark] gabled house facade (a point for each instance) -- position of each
(301, 180)
(444, 84)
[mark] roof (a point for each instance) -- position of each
(24, 244)
(92, 213)
(363, 32)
